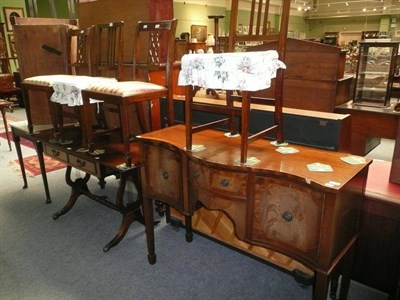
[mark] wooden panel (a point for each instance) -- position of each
(377, 259)
(395, 170)
(34, 60)
(217, 225)
(181, 48)
(314, 78)
(163, 167)
(84, 165)
(287, 214)
(228, 184)
(367, 123)
(55, 153)
(317, 129)
(310, 60)
(129, 11)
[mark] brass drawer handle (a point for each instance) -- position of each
(81, 163)
(196, 174)
(165, 175)
(55, 152)
(225, 182)
(287, 216)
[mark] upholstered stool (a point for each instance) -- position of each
(154, 51)
(60, 89)
(121, 95)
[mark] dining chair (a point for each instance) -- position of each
(153, 51)
(253, 31)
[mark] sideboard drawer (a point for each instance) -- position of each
(83, 165)
(55, 153)
(288, 215)
(215, 180)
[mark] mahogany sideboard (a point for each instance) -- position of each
(276, 203)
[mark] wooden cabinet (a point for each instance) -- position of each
(377, 259)
(195, 47)
(314, 78)
(368, 125)
(277, 203)
(180, 49)
(375, 73)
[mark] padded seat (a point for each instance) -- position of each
(64, 89)
(125, 88)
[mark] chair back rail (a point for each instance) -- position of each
(108, 59)
(80, 45)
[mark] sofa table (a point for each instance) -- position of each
(277, 202)
(108, 161)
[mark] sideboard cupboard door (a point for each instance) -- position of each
(163, 174)
(287, 216)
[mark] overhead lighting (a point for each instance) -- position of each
(347, 3)
(364, 9)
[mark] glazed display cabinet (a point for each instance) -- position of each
(375, 72)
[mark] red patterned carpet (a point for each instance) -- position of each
(32, 167)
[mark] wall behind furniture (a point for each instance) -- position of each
(318, 27)
(194, 14)
(8, 33)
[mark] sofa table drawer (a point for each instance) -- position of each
(83, 165)
(55, 153)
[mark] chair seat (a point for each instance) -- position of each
(46, 80)
(125, 88)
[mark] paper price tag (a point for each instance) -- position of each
(318, 167)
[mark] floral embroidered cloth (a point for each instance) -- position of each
(67, 90)
(244, 71)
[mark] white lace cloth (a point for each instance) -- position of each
(67, 90)
(244, 71)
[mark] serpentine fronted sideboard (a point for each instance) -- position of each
(276, 202)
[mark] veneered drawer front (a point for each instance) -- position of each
(213, 179)
(55, 153)
(287, 214)
(83, 165)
